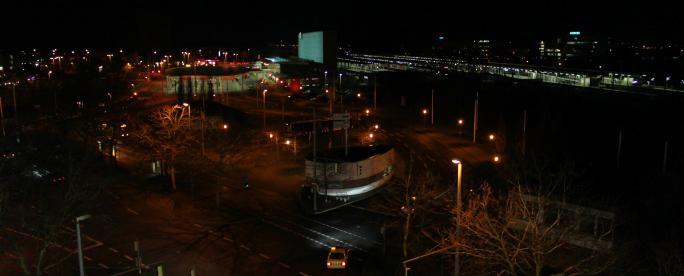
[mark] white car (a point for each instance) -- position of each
(338, 258)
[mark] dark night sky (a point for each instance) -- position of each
(362, 24)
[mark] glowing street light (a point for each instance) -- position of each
(367, 112)
(425, 113)
(491, 137)
(459, 174)
(460, 122)
(496, 159)
(225, 126)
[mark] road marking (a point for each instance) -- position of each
(406, 145)
(228, 239)
(325, 235)
(341, 230)
(128, 257)
(297, 233)
(132, 211)
(114, 250)
(103, 266)
(264, 256)
(245, 247)
(87, 258)
(303, 274)
(284, 265)
(197, 225)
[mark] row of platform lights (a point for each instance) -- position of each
(393, 59)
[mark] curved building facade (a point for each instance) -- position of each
(211, 80)
(364, 169)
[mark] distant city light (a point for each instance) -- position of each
(575, 33)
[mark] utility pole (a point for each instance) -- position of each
(459, 174)
(375, 93)
(138, 258)
(524, 131)
(315, 181)
(332, 95)
(665, 157)
(264, 107)
(619, 149)
(432, 114)
(477, 99)
(14, 99)
(202, 130)
(2, 118)
(78, 240)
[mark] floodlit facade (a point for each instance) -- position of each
(364, 169)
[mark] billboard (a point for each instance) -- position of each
(311, 46)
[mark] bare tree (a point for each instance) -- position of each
(526, 230)
(411, 199)
(42, 209)
(168, 134)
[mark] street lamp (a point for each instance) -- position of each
(264, 106)
(496, 159)
(189, 111)
(425, 113)
(78, 240)
(459, 173)
(491, 137)
(460, 126)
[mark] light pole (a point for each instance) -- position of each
(78, 240)
(375, 93)
(14, 99)
(477, 100)
(425, 113)
(2, 118)
(432, 114)
(189, 111)
(459, 171)
(264, 107)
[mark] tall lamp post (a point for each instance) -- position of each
(459, 165)
(264, 107)
(189, 111)
(78, 240)
(425, 113)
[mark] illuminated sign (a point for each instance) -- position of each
(575, 33)
(311, 46)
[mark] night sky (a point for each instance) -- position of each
(360, 24)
